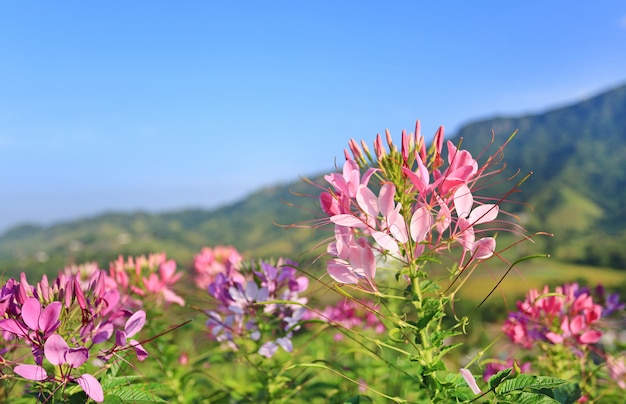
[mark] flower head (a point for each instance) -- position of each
(567, 316)
(246, 308)
(418, 206)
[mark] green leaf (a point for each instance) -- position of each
(396, 335)
(536, 389)
(568, 393)
(448, 348)
(111, 382)
(528, 382)
(495, 380)
(527, 398)
(134, 394)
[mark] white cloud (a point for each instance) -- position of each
(622, 22)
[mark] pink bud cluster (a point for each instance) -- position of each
(152, 276)
(63, 324)
(212, 261)
(350, 314)
(260, 302)
(569, 316)
(418, 205)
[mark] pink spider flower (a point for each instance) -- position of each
(345, 187)
(617, 370)
(355, 261)
(462, 168)
(417, 196)
(159, 285)
(468, 217)
(212, 261)
(569, 316)
(154, 275)
(351, 315)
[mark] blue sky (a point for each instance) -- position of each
(162, 105)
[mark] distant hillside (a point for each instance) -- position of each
(256, 226)
(577, 154)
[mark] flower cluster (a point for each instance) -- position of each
(260, 303)
(66, 322)
(350, 314)
(418, 205)
(568, 330)
(568, 316)
(212, 261)
(151, 276)
(494, 367)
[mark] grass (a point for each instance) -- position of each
(536, 273)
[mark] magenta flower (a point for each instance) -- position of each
(568, 317)
(44, 321)
(462, 168)
(134, 324)
(37, 317)
(59, 353)
(494, 367)
(212, 261)
(351, 315)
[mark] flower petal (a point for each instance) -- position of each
(385, 198)
(386, 241)
(135, 323)
(285, 343)
(463, 201)
(31, 309)
(470, 380)
(55, 349)
(348, 220)
(341, 272)
(421, 221)
(31, 372)
(268, 349)
(140, 351)
(91, 386)
(484, 248)
(367, 200)
(483, 214)
(77, 356)
(49, 319)
(13, 327)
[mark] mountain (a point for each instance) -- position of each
(577, 154)
(258, 226)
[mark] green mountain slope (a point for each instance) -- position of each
(257, 226)
(578, 190)
(578, 187)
